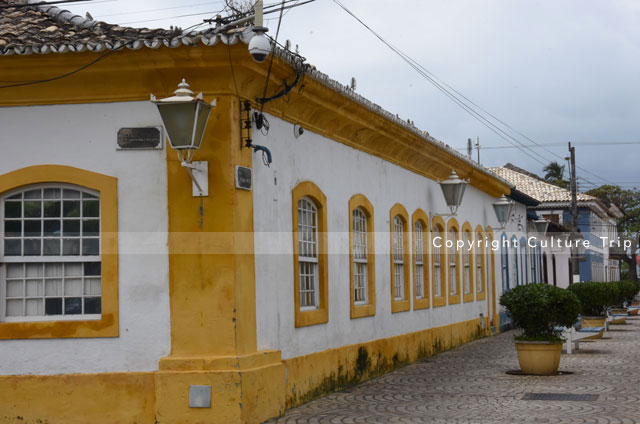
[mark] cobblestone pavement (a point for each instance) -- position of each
(469, 384)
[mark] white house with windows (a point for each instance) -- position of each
(129, 293)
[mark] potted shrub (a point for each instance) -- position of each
(540, 310)
(595, 298)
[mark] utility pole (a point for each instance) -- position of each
(469, 148)
(478, 147)
(574, 208)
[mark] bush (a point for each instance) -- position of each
(596, 297)
(539, 308)
(628, 289)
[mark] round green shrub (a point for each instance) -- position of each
(539, 308)
(628, 289)
(596, 297)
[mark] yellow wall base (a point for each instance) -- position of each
(245, 389)
(316, 374)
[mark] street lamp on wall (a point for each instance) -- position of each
(453, 190)
(541, 226)
(185, 118)
(503, 208)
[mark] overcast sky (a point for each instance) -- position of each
(556, 71)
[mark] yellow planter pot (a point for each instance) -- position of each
(539, 358)
(593, 321)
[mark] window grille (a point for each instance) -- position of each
(398, 258)
(419, 259)
(360, 258)
(308, 253)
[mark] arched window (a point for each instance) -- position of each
(545, 273)
(524, 262)
(467, 263)
(504, 246)
(453, 261)
(52, 253)
(439, 262)
(400, 259)
(362, 254)
(311, 290)
(420, 260)
(481, 270)
(514, 264)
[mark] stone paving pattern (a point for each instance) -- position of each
(469, 384)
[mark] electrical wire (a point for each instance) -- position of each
(273, 47)
(172, 17)
(160, 9)
(444, 88)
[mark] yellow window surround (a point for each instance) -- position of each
(467, 235)
(107, 325)
(455, 227)
(320, 315)
(403, 304)
(369, 309)
(420, 216)
(439, 225)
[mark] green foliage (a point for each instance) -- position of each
(539, 308)
(628, 289)
(596, 297)
(554, 174)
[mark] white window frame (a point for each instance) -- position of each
(310, 258)
(5, 261)
(466, 258)
(437, 263)
(398, 258)
(360, 257)
(479, 259)
(418, 240)
(453, 265)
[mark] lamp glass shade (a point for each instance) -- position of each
(502, 209)
(185, 122)
(541, 226)
(453, 190)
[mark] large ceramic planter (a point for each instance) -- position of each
(593, 321)
(539, 358)
(634, 311)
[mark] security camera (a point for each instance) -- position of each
(259, 46)
(297, 130)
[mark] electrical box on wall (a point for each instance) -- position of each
(243, 177)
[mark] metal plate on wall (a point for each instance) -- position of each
(243, 177)
(139, 138)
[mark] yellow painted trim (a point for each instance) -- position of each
(320, 373)
(320, 315)
(405, 303)
(492, 280)
(130, 75)
(420, 215)
(466, 229)
(439, 224)
(481, 256)
(107, 325)
(454, 298)
(359, 311)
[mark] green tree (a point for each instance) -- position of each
(629, 225)
(554, 174)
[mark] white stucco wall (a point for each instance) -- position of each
(84, 136)
(340, 172)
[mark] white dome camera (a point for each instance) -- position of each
(259, 46)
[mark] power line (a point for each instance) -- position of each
(173, 17)
(486, 122)
(157, 10)
(584, 144)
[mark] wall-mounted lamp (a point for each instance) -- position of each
(297, 130)
(503, 208)
(541, 226)
(453, 191)
(185, 119)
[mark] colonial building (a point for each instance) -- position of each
(596, 223)
(130, 294)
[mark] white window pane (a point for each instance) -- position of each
(14, 308)
(34, 270)
(73, 287)
(15, 288)
(34, 288)
(34, 307)
(51, 193)
(53, 288)
(53, 270)
(73, 269)
(92, 286)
